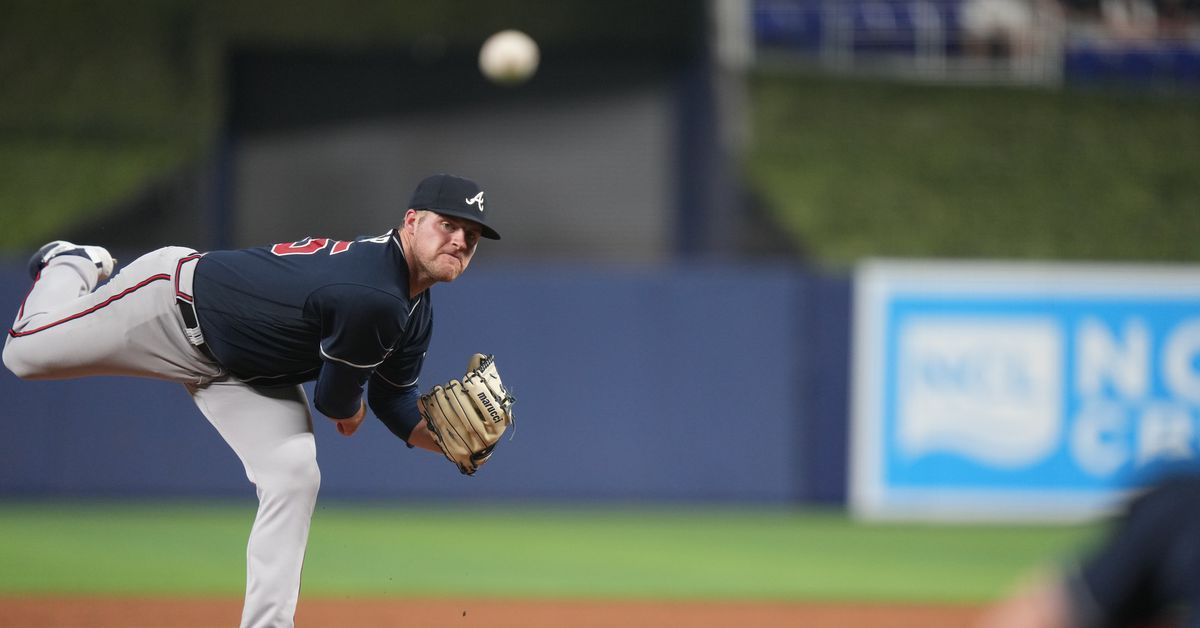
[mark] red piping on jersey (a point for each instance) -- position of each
(94, 308)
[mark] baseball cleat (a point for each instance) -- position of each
(96, 254)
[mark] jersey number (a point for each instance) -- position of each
(308, 246)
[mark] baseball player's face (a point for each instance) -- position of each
(442, 246)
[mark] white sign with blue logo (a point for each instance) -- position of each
(1019, 391)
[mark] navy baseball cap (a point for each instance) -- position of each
(453, 196)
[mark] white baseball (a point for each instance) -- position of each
(509, 57)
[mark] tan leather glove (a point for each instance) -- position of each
(467, 418)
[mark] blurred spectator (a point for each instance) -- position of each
(1177, 19)
(1130, 19)
(1005, 28)
(1081, 8)
(997, 28)
(1145, 572)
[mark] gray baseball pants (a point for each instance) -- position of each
(67, 327)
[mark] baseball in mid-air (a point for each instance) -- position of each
(509, 57)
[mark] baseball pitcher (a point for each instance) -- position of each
(243, 329)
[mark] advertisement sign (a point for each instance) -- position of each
(1019, 391)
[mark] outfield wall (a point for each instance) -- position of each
(706, 382)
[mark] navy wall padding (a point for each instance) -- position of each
(710, 382)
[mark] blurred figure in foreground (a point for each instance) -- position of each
(1145, 572)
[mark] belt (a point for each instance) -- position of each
(184, 272)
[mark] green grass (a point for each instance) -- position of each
(587, 552)
(854, 168)
(40, 197)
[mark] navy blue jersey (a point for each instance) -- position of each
(1148, 568)
(335, 311)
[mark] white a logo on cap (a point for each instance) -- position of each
(478, 200)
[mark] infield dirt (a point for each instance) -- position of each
(112, 612)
